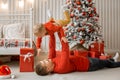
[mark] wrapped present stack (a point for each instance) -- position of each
(97, 47)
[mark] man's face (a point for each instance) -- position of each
(48, 64)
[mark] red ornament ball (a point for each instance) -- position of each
(79, 29)
(83, 13)
(79, 8)
(91, 15)
(72, 15)
(89, 1)
(74, 37)
(82, 41)
(78, 2)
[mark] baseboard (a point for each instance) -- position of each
(111, 50)
(106, 51)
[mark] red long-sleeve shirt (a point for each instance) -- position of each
(65, 63)
(51, 29)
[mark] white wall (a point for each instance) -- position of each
(107, 9)
(110, 21)
(41, 7)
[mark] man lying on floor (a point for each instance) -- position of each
(66, 64)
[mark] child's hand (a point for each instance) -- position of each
(64, 39)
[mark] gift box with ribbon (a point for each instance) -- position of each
(84, 53)
(26, 60)
(98, 48)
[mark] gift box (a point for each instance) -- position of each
(103, 57)
(26, 60)
(81, 53)
(92, 54)
(97, 47)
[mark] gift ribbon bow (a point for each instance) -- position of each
(27, 56)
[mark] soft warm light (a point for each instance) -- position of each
(4, 6)
(31, 1)
(21, 3)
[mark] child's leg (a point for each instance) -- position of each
(66, 19)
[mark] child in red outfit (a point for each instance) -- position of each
(50, 28)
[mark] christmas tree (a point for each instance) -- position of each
(84, 27)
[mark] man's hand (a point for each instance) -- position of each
(64, 39)
(38, 51)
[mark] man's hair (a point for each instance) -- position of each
(37, 29)
(78, 47)
(41, 70)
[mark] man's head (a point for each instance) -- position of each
(44, 67)
(39, 30)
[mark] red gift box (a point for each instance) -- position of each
(26, 60)
(84, 53)
(98, 48)
(103, 57)
(92, 54)
(81, 53)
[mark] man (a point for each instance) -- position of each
(63, 63)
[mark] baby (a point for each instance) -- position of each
(49, 28)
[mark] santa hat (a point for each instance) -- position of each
(5, 71)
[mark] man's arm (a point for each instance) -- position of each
(64, 60)
(52, 46)
(65, 51)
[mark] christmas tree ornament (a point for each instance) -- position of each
(74, 37)
(78, 2)
(79, 8)
(72, 15)
(89, 1)
(78, 30)
(82, 41)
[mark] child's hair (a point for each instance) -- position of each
(37, 29)
(41, 70)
